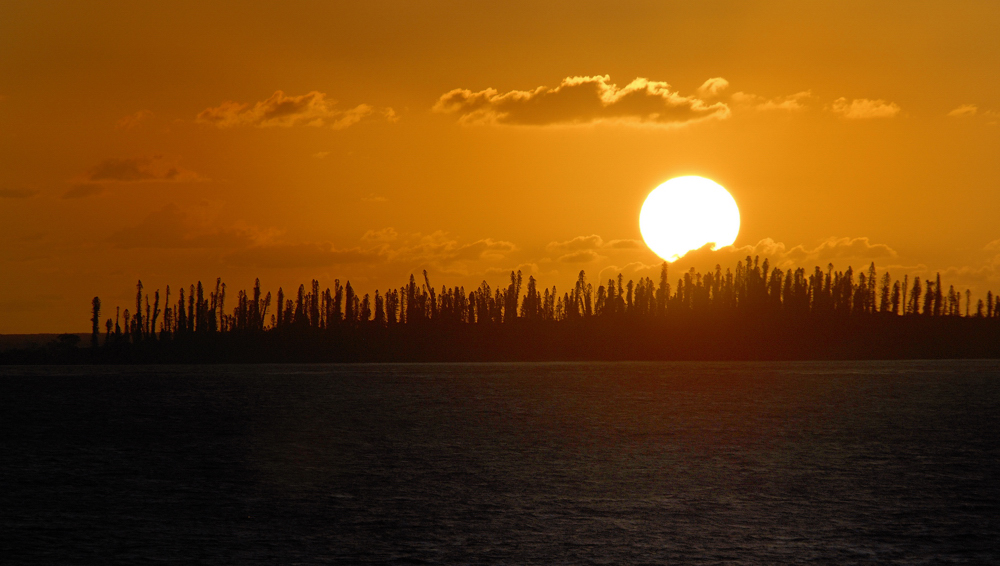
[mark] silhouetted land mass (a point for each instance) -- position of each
(751, 313)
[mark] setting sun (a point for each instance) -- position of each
(685, 213)
(363, 282)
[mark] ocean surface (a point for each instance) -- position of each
(563, 463)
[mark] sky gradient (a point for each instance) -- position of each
(288, 142)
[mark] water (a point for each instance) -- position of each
(616, 463)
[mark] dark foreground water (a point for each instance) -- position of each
(617, 463)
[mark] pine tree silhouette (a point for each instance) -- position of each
(96, 320)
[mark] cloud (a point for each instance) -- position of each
(584, 100)
(390, 115)
(581, 256)
(172, 227)
(964, 111)
(133, 120)
(83, 190)
(140, 169)
(17, 193)
(979, 276)
(175, 228)
(623, 244)
(830, 250)
(592, 242)
(863, 108)
(838, 248)
(321, 154)
(602, 257)
(281, 110)
(301, 255)
(635, 267)
(439, 248)
(839, 251)
(380, 236)
(526, 270)
(488, 249)
(713, 87)
(584, 249)
(791, 103)
(372, 197)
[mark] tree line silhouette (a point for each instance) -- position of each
(753, 312)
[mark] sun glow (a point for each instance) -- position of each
(685, 213)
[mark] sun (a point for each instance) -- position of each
(685, 213)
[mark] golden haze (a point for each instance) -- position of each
(309, 140)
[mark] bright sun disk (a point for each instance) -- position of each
(685, 213)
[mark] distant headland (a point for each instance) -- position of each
(752, 312)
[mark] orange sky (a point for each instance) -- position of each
(314, 140)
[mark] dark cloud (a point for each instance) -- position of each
(137, 169)
(526, 269)
(17, 193)
(83, 190)
(585, 100)
(439, 248)
(171, 227)
(310, 109)
(299, 256)
(174, 228)
(133, 120)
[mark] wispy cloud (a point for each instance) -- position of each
(525, 268)
(300, 255)
(864, 108)
(964, 111)
(200, 228)
(791, 103)
(174, 227)
(585, 100)
(382, 236)
(133, 120)
(585, 249)
(837, 250)
(374, 198)
(139, 169)
(713, 87)
(579, 256)
(440, 247)
(17, 193)
(592, 242)
(83, 190)
(281, 110)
